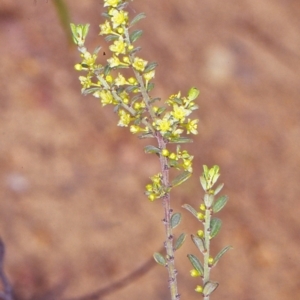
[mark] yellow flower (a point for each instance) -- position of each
(179, 112)
(139, 64)
(113, 3)
(89, 59)
(105, 96)
(124, 97)
(118, 47)
(199, 289)
(120, 80)
(115, 62)
(135, 129)
(105, 28)
(118, 18)
(149, 75)
(191, 126)
(163, 125)
(124, 118)
(200, 233)
(194, 273)
(85, 81)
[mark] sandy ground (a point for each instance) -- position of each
(72, 211)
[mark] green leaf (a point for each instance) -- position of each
(105, 15)
(135, 35)
(175, 220)
(173, 163)
(191, 210)
(209, 287)
(179, 242)
(131, 88)
(220, 203)
(107, 70)
(150, 86)
(177, 100)
(97, 49)
(215, 226)
(219, 188)
(137, 49)
(150, 67)
(152, 100)
(152, 149)
(111, 37)
(181, 140)
(137, 18)
(196, 263)
(147, 135)
(220, 254)
(181, 178)
(160, 111)
(159, 259)
(199, 243)
(203, 182)
(90, 90)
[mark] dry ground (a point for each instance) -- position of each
(72, 211)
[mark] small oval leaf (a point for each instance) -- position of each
(152, 100)
(199, 243)
(209, 287)
(220, 254)
(150, 86)
(181, 140)
(160, 110)
(181, 178)
(137, 49)
(151, 149)
(159, 259)
(137, 18)
(203, 182)
(220, 203)
(151, 66)
(135, 35)
(219, 188)
(195, 263)
(215, 226)
(147, 135)
(131, 88)
(111, 37)
(191, 210)
(175, 220)
(179, 242)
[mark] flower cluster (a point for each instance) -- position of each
(129, 92)
(155, 189)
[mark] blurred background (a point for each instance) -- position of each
(72, 212)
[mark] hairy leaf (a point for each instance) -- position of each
(179, 242)
(215, 226)
(220, 203)
(196, 263)
(175, 219)
(159, 259)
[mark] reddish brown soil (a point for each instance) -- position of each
(72, 211)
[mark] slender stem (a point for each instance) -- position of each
(167, 222)
(206, 267)
(166, 199)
